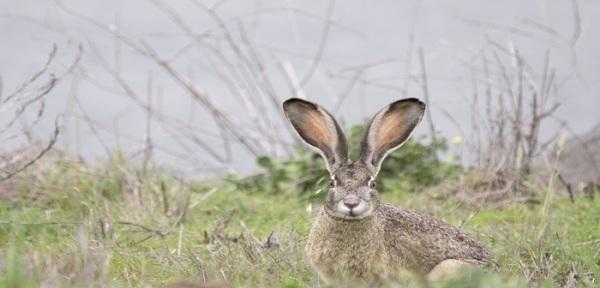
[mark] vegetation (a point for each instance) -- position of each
(414, 167)
(115, 225)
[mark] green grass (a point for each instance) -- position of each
(114, 226)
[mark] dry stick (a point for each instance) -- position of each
(365, 66)
(132, 95)
(247, 64)
(35, 76)
(232, 87)
(532, 136)
(148, 149)
(409, 60)
(491, 123)
(131, 44)
(321, 48)
(275, 100)
(475, 118)
(145, 228)
(54, 80)
(69, 114)
(312, 16)
(45, 90)
(266, 84)
(518, 116)
(49, 146)
(291, 79)
(425, 89)
(251, 79)
(499, 27)
(234, 72)
(165, 150)
(568, 186)
(511, 54)
(501, 117)
(503, 113)
(585, 145)
(577, 23)
(40, 113)
(373, 84)
(347, 90)
(573, 41)
(539, 113)
(92, 127)
(128, 91)
(201, 98)
(165, 121)
(541, 27)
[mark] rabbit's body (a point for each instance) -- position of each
(355, 236)
(339, 246)
(387, 243)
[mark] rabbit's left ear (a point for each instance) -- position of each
(318, 129)
(389, 129)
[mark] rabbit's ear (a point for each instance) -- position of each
(318, 129)
(389, 129)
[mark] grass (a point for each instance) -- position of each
(79, 226)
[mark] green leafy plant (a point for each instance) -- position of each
(416, 165)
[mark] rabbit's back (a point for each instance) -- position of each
(420, 242)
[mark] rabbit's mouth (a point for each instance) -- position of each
(361, 210)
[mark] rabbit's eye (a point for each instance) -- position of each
(372, 183)
(332, 182)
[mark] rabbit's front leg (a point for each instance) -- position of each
(448, 269)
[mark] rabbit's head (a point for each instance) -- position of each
(352, 194)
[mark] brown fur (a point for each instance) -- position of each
(354, 236)
(385, 244)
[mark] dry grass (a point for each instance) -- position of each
(117, 226)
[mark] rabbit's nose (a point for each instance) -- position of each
(351, 201)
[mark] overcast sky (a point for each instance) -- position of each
(289, 34)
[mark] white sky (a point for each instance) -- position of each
(364, 32)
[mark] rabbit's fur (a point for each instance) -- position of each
(354, 235)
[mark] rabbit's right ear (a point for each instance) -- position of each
(389, 129)
(318, 129)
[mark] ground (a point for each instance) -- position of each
(75, 225)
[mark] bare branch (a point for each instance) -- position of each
(425, 89)
(41, 154)
(576, 24)
(35, 76)
(321, 48)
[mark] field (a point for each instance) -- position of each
(112, 225)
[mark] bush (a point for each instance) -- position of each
(415, 166)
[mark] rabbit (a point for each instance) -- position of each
(354, 235)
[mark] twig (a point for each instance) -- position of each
(568, 186)
(49, 146)
(321, 48)
(425, 89)
(35, 76)
(576, 24)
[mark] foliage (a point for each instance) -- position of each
(414, 166)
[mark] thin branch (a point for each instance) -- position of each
(576, 23)
(321, 48)
(49, 146)
(425, 89)
(35, 76)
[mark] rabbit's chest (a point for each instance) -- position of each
(341, 250)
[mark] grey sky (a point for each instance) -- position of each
(363, 33)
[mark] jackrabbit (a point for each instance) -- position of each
(355, 236)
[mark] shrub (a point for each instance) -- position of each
(415, 166)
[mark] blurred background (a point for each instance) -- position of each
(144, 145)
(197, 85)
